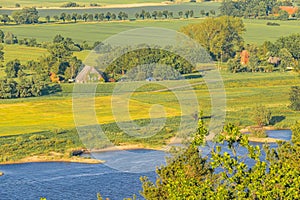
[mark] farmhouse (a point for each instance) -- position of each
(89, 74)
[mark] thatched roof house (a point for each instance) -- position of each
(89, 74)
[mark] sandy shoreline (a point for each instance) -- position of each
(78, 159)
(135, 5)
(48, 159)
(123, 148)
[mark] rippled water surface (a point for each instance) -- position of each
(117, 179)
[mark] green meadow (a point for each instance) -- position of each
(257, 31)
(243, 92)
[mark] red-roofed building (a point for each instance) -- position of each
(290, 9)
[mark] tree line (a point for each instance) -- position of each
(31, 16)
(227, 45)
(257, 9)
(46, 73)
(282, 55)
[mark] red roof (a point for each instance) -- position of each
(290, 9)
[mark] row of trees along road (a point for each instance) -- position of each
(31, 16)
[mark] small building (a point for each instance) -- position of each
(245, 57)
(289, 9)
(89, 75)
(274, 60)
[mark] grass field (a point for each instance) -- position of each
(243, 92)
(257, 31)
(58, 3)
(131, 11)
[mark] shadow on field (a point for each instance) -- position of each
(276, 119)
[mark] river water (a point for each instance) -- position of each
(117, 179)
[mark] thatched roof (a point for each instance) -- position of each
(89, 74)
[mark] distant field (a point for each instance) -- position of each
(89, 32)
(196, 7)
(244, 91)
(57, 3)
(22, 53)
(257, 30)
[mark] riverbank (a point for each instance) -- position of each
(37, 159)
(123, 148)
(1, 173)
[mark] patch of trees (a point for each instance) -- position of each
(295, 98)
(263, 9)
(221, 36)
(61, 63)
(144, 57)
(282, 55)
(226, 175)
(70, 4)
(59, 66)
(26, 16)
(16, 84)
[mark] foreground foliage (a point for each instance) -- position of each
(225, 175)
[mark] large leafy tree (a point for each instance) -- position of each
(295, 98)
(226, 175)
(26, 16)
(12, 68)
(221, 36)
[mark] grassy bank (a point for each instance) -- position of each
(243, 92)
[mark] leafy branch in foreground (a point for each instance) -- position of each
(226, 174)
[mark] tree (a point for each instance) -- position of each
(226, 175)
(63, 17)
(154, 14)
(5, 18)
(108, 16)
(295, 98)
(74, 17)
(1, 53)
(180, 13)
(96, 16)
(47, 18)
(12, 68)
(1, 36)
(85, 16)
(221, 36)
(55, 17)
(113, 16)
(283, 15)
(58, 39)
(90, 17)
(287, 60)
(10, 38)
(26, 16)
(68, 17)
(261, 115)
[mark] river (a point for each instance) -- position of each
(83, 181)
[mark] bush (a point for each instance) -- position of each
(262, 115)
(70, 4)
(295, 98)
(272, 24)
